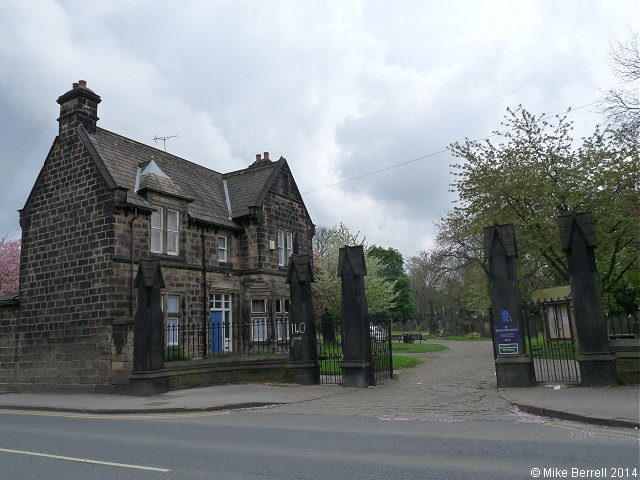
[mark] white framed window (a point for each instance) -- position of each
(223, 248)
(171, 311)
(289, 246)
(173, 232)
(259, 320)
(165, 231)
(220, 302)
(285, 247)
(282, 319)
(157, 222)
(280, 248)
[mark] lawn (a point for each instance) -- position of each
(400, 361)
(461, 338)
(418, 347)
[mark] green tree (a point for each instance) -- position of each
(381, 297)
(392, 269)
(534, 173)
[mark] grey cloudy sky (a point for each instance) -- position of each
(339, 88)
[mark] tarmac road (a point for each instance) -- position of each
(251, 445)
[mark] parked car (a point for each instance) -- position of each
(377, 333)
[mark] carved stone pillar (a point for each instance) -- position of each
(578, 240)
(357, 369)
(513, 365)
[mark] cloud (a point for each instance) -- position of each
(338, 88)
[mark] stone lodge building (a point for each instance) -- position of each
(100, 204)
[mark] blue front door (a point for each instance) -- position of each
(216, 333)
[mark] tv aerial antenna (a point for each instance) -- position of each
(164, 140)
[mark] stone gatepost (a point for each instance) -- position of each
(578, 240)
(306, 370)
(148, 340)
(513, 364)
(357, 369)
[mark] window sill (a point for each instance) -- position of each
(170, 258)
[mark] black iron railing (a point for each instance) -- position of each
(218, 338)
(621, 326)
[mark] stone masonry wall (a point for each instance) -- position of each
(283, 209)
(8, 321)
(182, 274)
(63, 336)
(251, 270)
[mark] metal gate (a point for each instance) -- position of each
(329, 348)
(330, 355)
(551, 343)
(381, 348)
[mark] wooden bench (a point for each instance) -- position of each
(412, 337)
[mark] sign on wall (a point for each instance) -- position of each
(507, 335)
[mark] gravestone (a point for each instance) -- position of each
(578, 240)
(434, 326)
(302, 328)
(357, 370)
(513, 365)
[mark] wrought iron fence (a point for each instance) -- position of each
(218, 338)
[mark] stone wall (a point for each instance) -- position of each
(627, 353)
(63, 335)
(283, 209)
(182, 275)
(8, 321)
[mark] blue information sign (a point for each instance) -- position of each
(507, 335)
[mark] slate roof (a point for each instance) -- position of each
(122, 157)
(247, 187)
(156, 183)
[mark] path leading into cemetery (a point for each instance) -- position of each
(452, 385)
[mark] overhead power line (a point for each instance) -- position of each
(433, 154)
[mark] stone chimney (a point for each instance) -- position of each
(261, 159)
(79, 106)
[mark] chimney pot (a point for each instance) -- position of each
(258, 157)
(266, 155)
(78, 106)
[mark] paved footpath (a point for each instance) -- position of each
(452, 385)
(455, 384)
